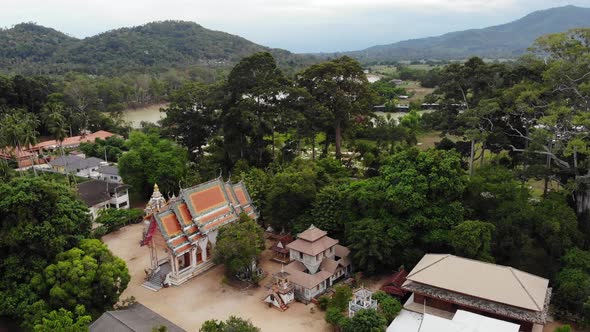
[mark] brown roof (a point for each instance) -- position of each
(298, 276)
(312, 234)
(486, 281)
(328, 264)
(312, 248)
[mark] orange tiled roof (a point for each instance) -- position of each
(178, 241)
(171, 225)
(240, 195)
(210, 217)
(201, 209)
(185, 215)
(207, 199)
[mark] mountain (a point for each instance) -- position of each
(502, 41)
(31, 48)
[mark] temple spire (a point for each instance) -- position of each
(156, 202)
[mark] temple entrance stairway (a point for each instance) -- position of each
(154, 283)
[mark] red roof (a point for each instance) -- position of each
(74, 140)
(393, 285)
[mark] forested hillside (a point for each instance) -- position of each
(32, 49)
(502, 41)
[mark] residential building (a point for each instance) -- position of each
(109, 173)
(71, 142)
(444, 284)
(135, 318)
(72, 164)
(181, 233)
(32, 155)
(318, 261)
(362, 299)
(99, 194)
(22, 157)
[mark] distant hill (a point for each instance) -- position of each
(31, 48)
(502, 41)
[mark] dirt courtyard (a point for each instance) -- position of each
(206, 297)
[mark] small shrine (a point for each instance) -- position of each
(280, 251)
(361, 299)
(281, 291)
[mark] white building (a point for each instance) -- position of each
(361, 299)
(109, 173)
(98, 195)
(72, 164)
(462, 321)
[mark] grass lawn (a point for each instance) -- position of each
(427, 140)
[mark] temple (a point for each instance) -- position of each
(445, 284)
(181, 233)
(318, 261)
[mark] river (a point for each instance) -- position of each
(152, 114)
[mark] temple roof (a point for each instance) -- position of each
(312, 234)
(313, 248)
(201, 209)
(483, 280)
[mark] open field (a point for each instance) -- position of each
(206, 297)
(413, 87)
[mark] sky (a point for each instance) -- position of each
(297, 25)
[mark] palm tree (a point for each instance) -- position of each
(20, 130)
(30, 134)
(55, 121)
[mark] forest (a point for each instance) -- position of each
(508, 181)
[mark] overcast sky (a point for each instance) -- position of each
(296, 25)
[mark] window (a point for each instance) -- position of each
(123, 204)
(113, 206)
(300, 255)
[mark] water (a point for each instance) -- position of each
(150, 114)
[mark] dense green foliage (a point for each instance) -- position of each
(88, 274)
(152, 160)
(114, 219)
(365, 320)
(51, 273)
(239, 245)
(389, 306)
(63, 320)
(233, 324)
(110, 149)
(157, 45)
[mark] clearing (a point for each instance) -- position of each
(206, 296)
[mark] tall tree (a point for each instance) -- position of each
(239, 245)
(251, 108)
(46, 218)
(150, 160)
(341, 87)
(191, 117)
(88, 274)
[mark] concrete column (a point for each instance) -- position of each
(194, 256)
